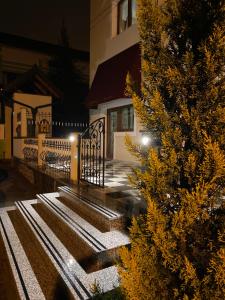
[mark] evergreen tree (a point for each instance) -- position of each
(178, 247)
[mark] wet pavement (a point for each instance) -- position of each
(14, 187)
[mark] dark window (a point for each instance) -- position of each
(126, 14)
(2, 111)
(44, 126)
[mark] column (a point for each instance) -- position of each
(74, 157)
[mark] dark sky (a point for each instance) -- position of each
(42, 20)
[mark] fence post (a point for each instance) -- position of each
(41, 138)
(74, 157)
(23, 122)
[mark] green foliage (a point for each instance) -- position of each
(115, 294)
(178, 248)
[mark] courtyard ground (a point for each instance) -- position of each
(15, 187)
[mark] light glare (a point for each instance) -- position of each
(72, 138)
(145, 140)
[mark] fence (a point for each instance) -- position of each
(51, 154)
(27, 124)
(44, 124)
(56, 154)
(30, 150)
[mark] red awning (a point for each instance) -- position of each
(110, 79)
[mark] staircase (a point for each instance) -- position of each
(59, 246)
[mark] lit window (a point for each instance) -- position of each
(121, 118)
(127, 117)
(126, 14)
(133, 12)
(123, 15)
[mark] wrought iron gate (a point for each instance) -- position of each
(92, 153)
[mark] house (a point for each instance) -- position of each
(114, 51)
(26, 108)
(27, 93)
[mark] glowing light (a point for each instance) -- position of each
(70, 262)
(145, 140)
(72, 138)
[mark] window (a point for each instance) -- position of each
(126, 14)
(121, 118)
(133, 12)
(127, 118)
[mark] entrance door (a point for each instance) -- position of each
(111, 128)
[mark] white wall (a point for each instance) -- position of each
(120, 152)
(104, 41)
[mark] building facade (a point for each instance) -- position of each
(114, 51)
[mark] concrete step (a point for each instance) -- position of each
(126, 202)
(27, 285)
(77, 280)
(89, 260)
(97, 240)
(87, 207)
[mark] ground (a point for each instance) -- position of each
(15, 187)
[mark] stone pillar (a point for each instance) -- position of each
(23, 122)
(74, 157)
(41, 138)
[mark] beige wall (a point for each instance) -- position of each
(18, 145)
(2, 131)
(8, 114)
(31, 100)
(104, 41)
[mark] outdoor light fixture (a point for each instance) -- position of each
(145, 140)
(72, 138)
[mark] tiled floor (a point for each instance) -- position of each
(116, 177)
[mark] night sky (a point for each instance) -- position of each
(42, 20)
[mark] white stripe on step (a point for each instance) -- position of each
(32, 286)
(64, 262)
(109, 240)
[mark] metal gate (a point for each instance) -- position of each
(92, 153)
